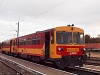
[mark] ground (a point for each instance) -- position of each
(5, 70)
(94, 54)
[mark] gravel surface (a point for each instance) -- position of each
(5, 70)
(35, 67)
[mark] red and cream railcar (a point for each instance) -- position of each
(32, 46)
(8, 46)
(62, 45)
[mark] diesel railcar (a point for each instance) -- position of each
(63, 46)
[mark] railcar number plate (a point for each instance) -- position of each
(72, 49)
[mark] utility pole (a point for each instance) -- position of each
(17, 37)
(18, 31)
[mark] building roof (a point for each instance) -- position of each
(93, 45)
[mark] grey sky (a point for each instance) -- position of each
(37, 15)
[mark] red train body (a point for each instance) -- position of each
(63, 46)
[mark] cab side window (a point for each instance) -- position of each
(52, 37)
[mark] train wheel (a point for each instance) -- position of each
(37, 59)
(29, 57)
(80, 63)
(18, 55)
(60, 63)
(3, 52)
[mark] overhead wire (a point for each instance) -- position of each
(1, 3)
(34, 7)
(37, 6)
(49, 9)
(44, 11)
(12, 27)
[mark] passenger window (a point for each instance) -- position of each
(42, 39)
(24, 41)
(34, 40)
(38, 40)
(29, 41)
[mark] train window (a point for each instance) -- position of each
(81, 38)
(21, 43)
(4, 44)
(78, 38)
(29, 41)
(42, 39)
(52, 38)
(34, 40)
(38, 40)
(7, 44)
(63, 37)
(24, 42)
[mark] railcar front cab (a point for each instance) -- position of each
(6, 46)
(67, 46)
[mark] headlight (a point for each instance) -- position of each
(83, 49)
(59, 49)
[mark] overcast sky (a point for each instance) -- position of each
(37, 15)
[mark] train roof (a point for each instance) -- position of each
(37, 32)
(68, 27)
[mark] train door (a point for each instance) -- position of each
(10, 46)
(47, 45)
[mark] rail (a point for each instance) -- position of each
(23, 70)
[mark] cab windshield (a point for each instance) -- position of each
(78, 38)
(64, 37)
(75, 38)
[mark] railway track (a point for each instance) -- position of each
(93, 61)
(19, 68)
(80, 71)
(15, 71)
(83, 71)
(94, 58)
(35, 69)
(71, 70)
